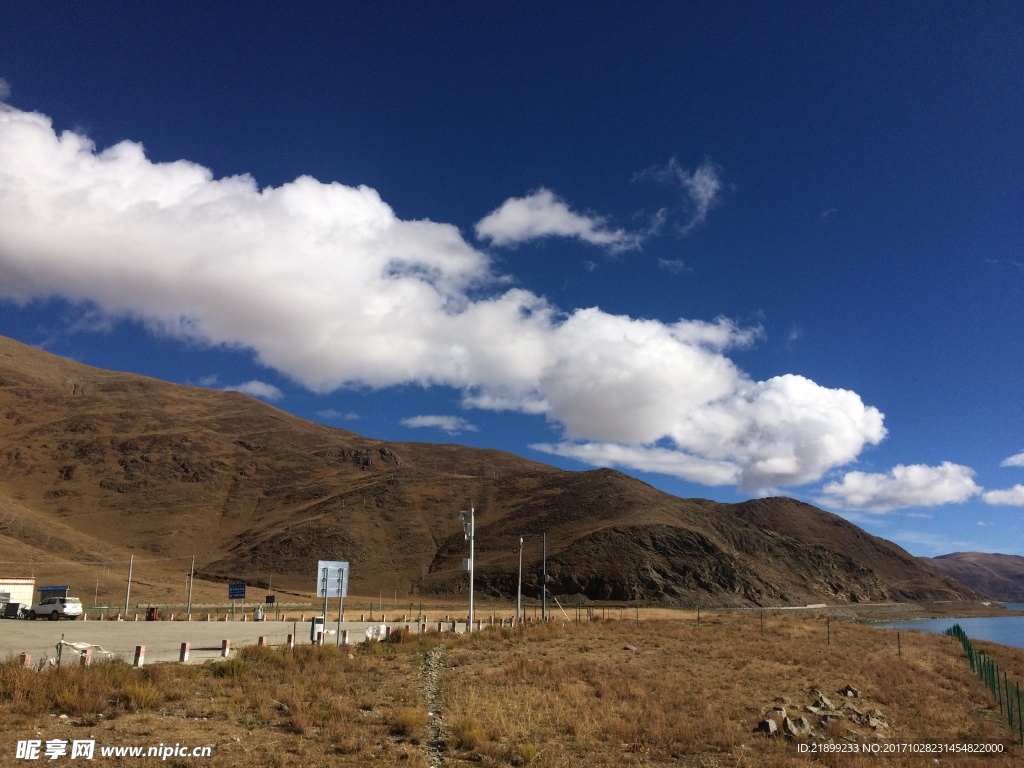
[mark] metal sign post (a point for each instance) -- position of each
(332, 582)
(236, 591)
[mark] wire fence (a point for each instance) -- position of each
(1005, 691)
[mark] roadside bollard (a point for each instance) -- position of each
(440, 627)
(140, 655)
(26, 659)
(183, 656)
(136, 617)
(387, 632)
(262, 642)
(423, 628)
(86, 658)
(291, 642)
(225, 648)
(344, 637)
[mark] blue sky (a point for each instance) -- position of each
(732, 249)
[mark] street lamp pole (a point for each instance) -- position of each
(469, 529)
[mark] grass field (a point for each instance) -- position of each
(603, 693)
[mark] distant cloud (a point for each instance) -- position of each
(702, 187)
(675, 266)
(543, 214)
(1017, 460)
(453, 425)
(933, 543)
(258, 389)
(5, 89)
(1010, 497)
(917, 485)
(329, 287)
(334, 415)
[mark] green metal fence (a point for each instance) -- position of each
(1005, 691)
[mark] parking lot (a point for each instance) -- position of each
(162, 639)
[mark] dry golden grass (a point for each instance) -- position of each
(687, 696)
(550, 695)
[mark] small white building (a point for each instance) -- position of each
(17, 591)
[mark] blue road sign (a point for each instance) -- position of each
(236, 591)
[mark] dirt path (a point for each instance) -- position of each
(435, 746)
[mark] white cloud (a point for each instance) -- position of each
(703, 188)
(917, 485)
(450, 424)
(335, 415)
(543, 214)
(663, 461)
(258, 389)
(675, 266)
(1017, 460)
(1010, 497)
(5, 90)
(327, 286)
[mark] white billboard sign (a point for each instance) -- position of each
(331, 578)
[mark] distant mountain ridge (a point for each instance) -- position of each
(997, 577)
(96, 465)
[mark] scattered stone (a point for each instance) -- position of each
(851, 708)
(850, 692)
(63, 717)
(875, 723)
(783, 700)
(822, 702)
(876, 713)
(630, 648)
(813, 710)
(798, 728)
(767, 726)
(779, 712)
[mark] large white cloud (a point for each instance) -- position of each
(1010, 497)
(327, 285)
(917, 485)
(543, 214)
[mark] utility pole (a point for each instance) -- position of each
(191, 579)
(519, 588)
(127, 594)
(469, 529)
(544, 585)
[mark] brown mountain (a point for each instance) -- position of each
(97, 465)
(997, 577)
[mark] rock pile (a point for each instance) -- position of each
(778, 719)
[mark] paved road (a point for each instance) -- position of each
(162, 639)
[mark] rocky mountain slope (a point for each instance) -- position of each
(97, 465)
(997, 577)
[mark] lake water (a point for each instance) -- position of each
(1008, 630)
